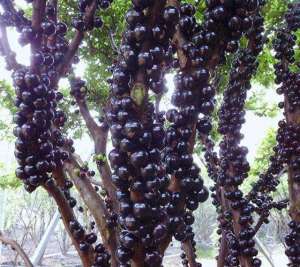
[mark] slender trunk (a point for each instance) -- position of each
(294, 187)
(223, 252)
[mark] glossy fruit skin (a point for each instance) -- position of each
(189, 102)
(220, 17)
(139, 174)
(145, 154)
(286, 150)
(41, 147)
(232, 155)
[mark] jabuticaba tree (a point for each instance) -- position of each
(152, 185)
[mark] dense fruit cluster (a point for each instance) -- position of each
(186, 189)
(293, 244)
(261, 192)
(287, 133)
(138, 174)
(40, 148)
(102, 257)
(234, 108)
(80, 23)
(288, 76)
(187, 185)
(224, 25)
(157, 183)
(39, 140)
(233, 26)
(37, 147)
(283, 46)
(12, 17)
(233, 163)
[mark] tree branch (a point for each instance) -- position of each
(259, 223)
(15, 246)
(67, 215)
(9, 55)
(99, 136)
(179, 41)
(230, 170)
(112, 41)
(104, 168)
(89, 120)
(38, 14)
(95, 205)
(188, 249)
(75, 43)
(140, 85)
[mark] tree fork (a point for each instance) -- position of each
(99, 136)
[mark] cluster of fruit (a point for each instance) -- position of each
(137, 132)
(146, 52)
(158, 185)
(41, 148)
(234, 166)
(247, 23)
(261, 192)
(288, 77)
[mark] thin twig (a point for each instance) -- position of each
(112, 41)
(259, 223)
(15, 246)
